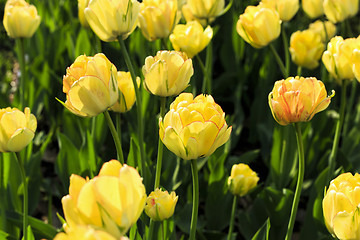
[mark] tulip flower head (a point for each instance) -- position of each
(194, 127)
(191, 38)
(160, 205)
(327, 29)
(339, 10)
(341, 207)
(286, 8)
(111, 202)
(20, 19)
(242, 179)
(356, 63)
(206, 9)
(83, 232)
(82, 4)
(298, 99)
(17, 129)
(90, 85)
(126, 92)
(110, 19)
(313, 8)
(258, 26)
(168, 73)
(188, 15)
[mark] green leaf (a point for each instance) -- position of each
(263, 232)
(30, 235)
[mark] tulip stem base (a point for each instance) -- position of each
(195, 206)
(232, 218)
(115, 136)
(160, 147)
(299, 181)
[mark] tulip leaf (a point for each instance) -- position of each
(263, 232)
(30, 235)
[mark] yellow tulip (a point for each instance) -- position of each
(83, 232)
(110, 19)
(356, 63)
(319, 27)
(337, 58)
(286, 8)
(110, 202)
(313, 8)
(306, 48)
(17, 129)
(298, 99)
(191, 38)
(242, 179)
(206, 9)
(90, 85)
(194, 127)
(341, 207)
(168, 73)
(160, 205)
(82, 4)
(126, 92)
(339, 10)
(20, 19)
(188, 15)
(259, 26)
(157, 18)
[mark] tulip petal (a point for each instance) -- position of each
(20, 139)
(111, 168)
(346, 225)
(174, 143)
(76, 184)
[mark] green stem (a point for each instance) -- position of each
(340, 121)
(205, 79)
(208, 69)
(2, 193)
(231, 227)
(163, 230)
(299, 70)
(115, 136)
(194, 214)
(160, 147)
(21, 57)
(286, 50)
(138, 108)
(299, 181)
(279, 61)
(151, 230)
(164, 43)
(349, 107)
(25, 200)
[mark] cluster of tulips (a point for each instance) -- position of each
(106, 206)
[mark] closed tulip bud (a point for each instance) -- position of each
(313, 8)
(194, 127)
(188, 15)
(242, 179)
(82, 4)
(341, 207)
(258, 26)
(111, 202)
(298, 99)
(306, 48)
(20, 19)
(327, 29)
(168, 73)
(206, 9)
(110, 19)
(17, 129)
(158, 18)
(337, 57)
(339, 10)
(160, 205)
(83, 232)
(90, 85)
(126, 92)
(191, 38)
(286, 8)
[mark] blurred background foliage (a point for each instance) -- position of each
(242, 79)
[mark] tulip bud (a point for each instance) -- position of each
(126, 92)
(286, 8)
(183, 37)
(20, 19)
(326, 29)
(82, 4)
(242, 179)
(341, 207)
(168, 73)
(306, 48)
(298, 99)
(339, 10)
(160, 205)
(194, 127)
(110, 19)
(90, 85)
(313, 8)
(206, 9)
(258, 26)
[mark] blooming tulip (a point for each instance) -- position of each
(20, 19)
(126, 92)
(242, 179)
(286, 8)
(110, 19)
(84, 232)
(341, 207)
(82, 4)
(17, 129)
(160, 205)
(168, 73)
(298, 99)
(306, 48)
(339, 10)
(111, 202)
(191, 38)
(326, 29)
(90, 85)
(157, 18)
(188, 15)
(259, 26)
(194, 127)
(313, 8)
(206, 9)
